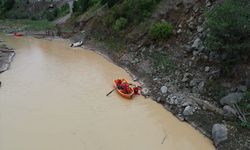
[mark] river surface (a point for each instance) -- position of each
(54, 98)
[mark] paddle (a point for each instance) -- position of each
(110, 92)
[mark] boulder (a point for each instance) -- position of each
(164, 89)
(242, 88)
(219, 133)
(145, 91)
(231, 98)
(4, 67)
(189, 110)
(207, 69)
(229, 112)
(196, 44)
(186, 77)
(201, 85)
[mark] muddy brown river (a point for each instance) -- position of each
(54, 98)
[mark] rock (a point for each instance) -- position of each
(242, 88)
(187, 48)
(231, 98)
(134, 78)
(186, 103)
(180, 117)
(207, 69)
(229, 112)
(185, 77)
(4, 67)
(199, 29)
(179, 31)
(208, 3)
(190, 19)
(164, 89)
(195, 53)
(201, 85)
(193, 83)
(189, 110)
(145, 91)
(219, 133)
(191, 26)
(196, 43)
(158, 100)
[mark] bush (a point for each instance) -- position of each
(6, 5)
(81, 6)
(120, 24)
(64, 10)
(229, 29)
(135, 11)
(50, 15)
(161, 30)
(110, 3)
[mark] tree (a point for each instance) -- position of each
(229, 29)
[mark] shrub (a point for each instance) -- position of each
(161, 30)
(229, 29)
(134, 11)
(64, 10)
(110, 3)
(50, 15)
(120, 24)
(81, 6)
(6, 5)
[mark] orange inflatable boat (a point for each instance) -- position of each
(121, 92)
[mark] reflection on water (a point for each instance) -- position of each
(54, 98)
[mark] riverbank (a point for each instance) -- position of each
(6, 56)
(189, 107)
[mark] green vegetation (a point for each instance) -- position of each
(110, 3)
(64, 10)
(161, 30)
(245, 107)
(120, 24)
(27, 24)
(81, 6)
(214, 88)
(134, 11)
(229, 30)
(162, 60)
(51, 15)
(6, 5)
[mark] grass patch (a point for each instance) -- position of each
(214, 88)
(114, 44)
(245, 108)
(36, 25)
(162, 60)
(160, 30)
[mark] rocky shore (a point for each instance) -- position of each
(204, 115)
(6, 56)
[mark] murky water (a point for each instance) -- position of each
(53, 98)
